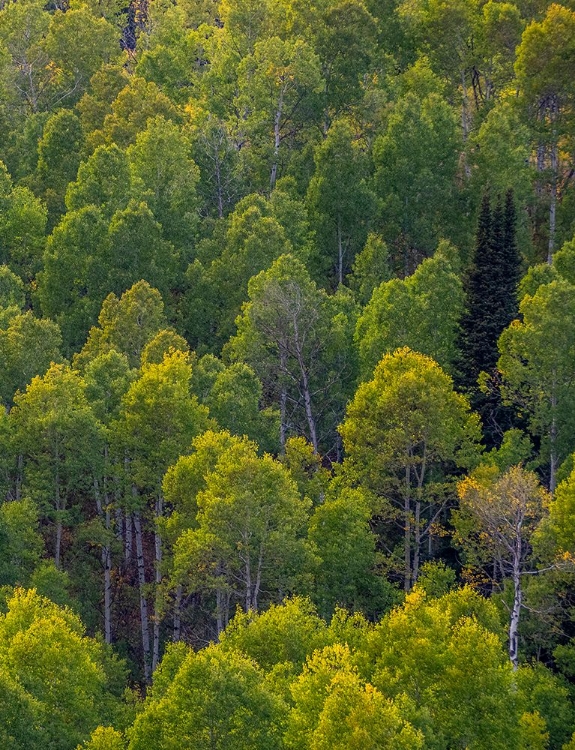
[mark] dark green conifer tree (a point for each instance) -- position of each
(478, 318)
(491, 287)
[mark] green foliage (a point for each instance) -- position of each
(234, 402)
(447, 656)
(342, 217)
(58, 159)
(17, 716)
(58, 669)
(275, 85)
(345, 572)
(416, 162)
(78, 43)
(58, 437)
(72, 283)
(253, 240)
(138, 251)
(286, 633)
(436, 579)
(52, 583)
(400, 428)
(295, 338)
(535, 363)
(562, 514)
(126, 324)
(249, 535)
(27, 348)
(370, 268)
(158, 418)
(227, 215)
(333, 707)
(545, 693)
(215, 698)
(421, 311)
(105, 738)
(376, 440)
(164, 342)
(491, 287)
(22, 227)
(103, 181)
(22, 545)
(165, 176)
(11, 291)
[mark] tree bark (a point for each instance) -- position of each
(277, 140)
(407, 531)
(417, 540)
(106, 559)
(58, 542)
(143, 601)
(219, 611)
(258, 579)
(465, 120)
(283, 401)
(339, 251)
(128, 537)
(305, 385)
(517, 602)
(554, 180)
(19, 472)
(158, 581)
(177, 632)
(553, 443)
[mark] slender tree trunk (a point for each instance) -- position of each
(106, 558)
(158, 581)
(19, 472)
(407, 530)
(517, 601)
(143, 601)
(308, 411)
(553, 443)
(128, 537)
(258, 579)
(339, 251)
(464, 108)
(219, 610)
(283, 401)
(553, 203)
(465, 119)
(305, 385)
(219, 186)
(514, 625)
(177, 614)
(277, 140)
(417, 540)
(58, 543)
(119, 521)
(420, 476)
(227, 598)
(248, 570)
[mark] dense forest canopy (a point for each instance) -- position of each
(287, 357)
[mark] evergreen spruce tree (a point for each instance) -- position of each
(491, 287)
(477, 338)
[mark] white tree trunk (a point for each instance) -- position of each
(143, 601)
(277, 140)
(158, 581)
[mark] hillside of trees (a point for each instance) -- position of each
(287, 362)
